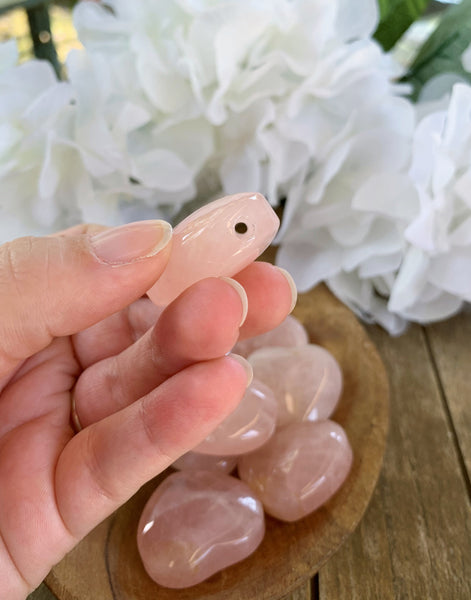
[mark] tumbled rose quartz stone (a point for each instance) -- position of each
(196, 524)
(298, 469)
(289, 333)
(249, 426)
(194, 461)
(306, 381)
(220, 238)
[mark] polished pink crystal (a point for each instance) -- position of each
(298, 469)
(289, 333)
(194, 461)
(219, 239)
(197, 523)
(249, 426)
(306, 381)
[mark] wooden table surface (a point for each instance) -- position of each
(415, 539)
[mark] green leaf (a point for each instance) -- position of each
(396, 16)
(442, 52)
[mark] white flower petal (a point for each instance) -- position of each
(9, 137)
(8, 55)
(44, 110)
(429, 231)
(351, 231)
(462, 187)
(240, 173)
(130, 117)
(390, 194)
(98, 27)
(357, 19)
(461, 235)
(410, 282)
(375, 266)
(192, 141)
(49, 176)
(451, 272)
(457, 131)
(426, 139)
(307, 264)
(382, 240)
(162, 169)
(445, 306)
(360, 297)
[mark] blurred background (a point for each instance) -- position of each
(49, 24)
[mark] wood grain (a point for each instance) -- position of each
(82, 573)
(42, 593)
(106, 565)
(302, 593)
(450, 344)
(415, 540)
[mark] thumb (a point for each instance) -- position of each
(59, 285)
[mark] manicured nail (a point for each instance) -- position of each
(292, 285)
(247, 366)
(242, 294)
(129, 243)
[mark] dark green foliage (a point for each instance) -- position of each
(442, 52)
(396, 16)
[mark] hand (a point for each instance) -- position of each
(74, 326)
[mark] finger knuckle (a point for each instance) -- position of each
(152, 431)
(103, 485)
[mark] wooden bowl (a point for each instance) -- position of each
(106, 564)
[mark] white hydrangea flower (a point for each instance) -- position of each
(51, 174)
(38, 176)
(433, 282)
(246, 93)
(400, 249)
(60, 161)
(119, 148)
(346, 221)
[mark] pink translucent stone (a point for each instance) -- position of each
(249, 426)
(306, 381)
(194, 461)
(289, 333)
(196, 524)
(298, 469)
(219, 239)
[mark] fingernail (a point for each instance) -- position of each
(242, 294)
(292, 285)
(247, 366)
(132, 242)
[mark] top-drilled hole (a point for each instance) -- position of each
(241, 227)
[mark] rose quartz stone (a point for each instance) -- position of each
(289, 333)
(194, 461)
(219, 239)
(298, 469)
(249, 426)
(196, 524)
(306, 381)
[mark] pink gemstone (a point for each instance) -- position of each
(194, 461)
(196, 524)
(220, 238)
(298, 469)
(289, 333)
(249, 426)
(306, 381)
